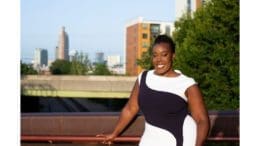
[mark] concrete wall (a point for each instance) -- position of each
(107, 84)
(82, 83)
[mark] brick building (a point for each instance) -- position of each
(139, 36)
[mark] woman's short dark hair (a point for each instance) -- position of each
(165, 39)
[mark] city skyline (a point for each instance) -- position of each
(93, 26)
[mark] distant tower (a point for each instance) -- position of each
(57, 52)
(187, 6)
(40, 58)
(99, 58)
(63, 46)
(113, 60)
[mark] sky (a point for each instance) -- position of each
(92, 25)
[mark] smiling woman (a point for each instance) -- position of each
(165, 97)
(163, 54)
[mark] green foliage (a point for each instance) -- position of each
(83, 59)
(77, 68)
(101, 69)
(207, 48)
(146, 61)
(27, 69)
(59, 67)
(80, 64)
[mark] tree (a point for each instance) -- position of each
(208, 50)
(27, 69)
(59, 67)
(80, 64)
(83, 58)
(146, 61)
(77, 68)
(101, 69)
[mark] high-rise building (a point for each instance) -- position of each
(63, 45)
(114, 64)
(73, 55)
(113, 60)
(187, 6)
(56, 52)
(139, 36)
(40, 58)
(81, 56)
(99, 58)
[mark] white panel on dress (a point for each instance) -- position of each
(155, 136)
(189, 131)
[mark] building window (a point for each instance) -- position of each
(155, 28)
(145, 36)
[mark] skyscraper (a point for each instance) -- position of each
(63, 45)
(186, 6)
(99, 58)
(139, 36)
(113, 60)
(40, 58)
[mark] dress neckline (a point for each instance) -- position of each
(175, 77)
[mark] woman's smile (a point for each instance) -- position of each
(162, 59)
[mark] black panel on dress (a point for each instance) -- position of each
(162, 109)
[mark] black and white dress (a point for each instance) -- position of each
(163, 102)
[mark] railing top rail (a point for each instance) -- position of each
(36, 138)
(210, 112)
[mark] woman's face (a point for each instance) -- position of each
(162, 57)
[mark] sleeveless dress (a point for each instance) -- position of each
(163, 103)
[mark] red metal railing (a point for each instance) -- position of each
(135, 139)
(84, 127)
(76, 138)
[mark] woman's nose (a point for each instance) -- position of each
(158, 58)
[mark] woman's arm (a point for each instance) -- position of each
(199, 113)
(127, 114)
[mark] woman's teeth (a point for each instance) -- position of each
(160, 66)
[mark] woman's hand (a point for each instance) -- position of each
(127, 114)
(108, 138)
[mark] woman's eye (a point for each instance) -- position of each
(164, 55)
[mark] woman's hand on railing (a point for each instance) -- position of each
(108, 138)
